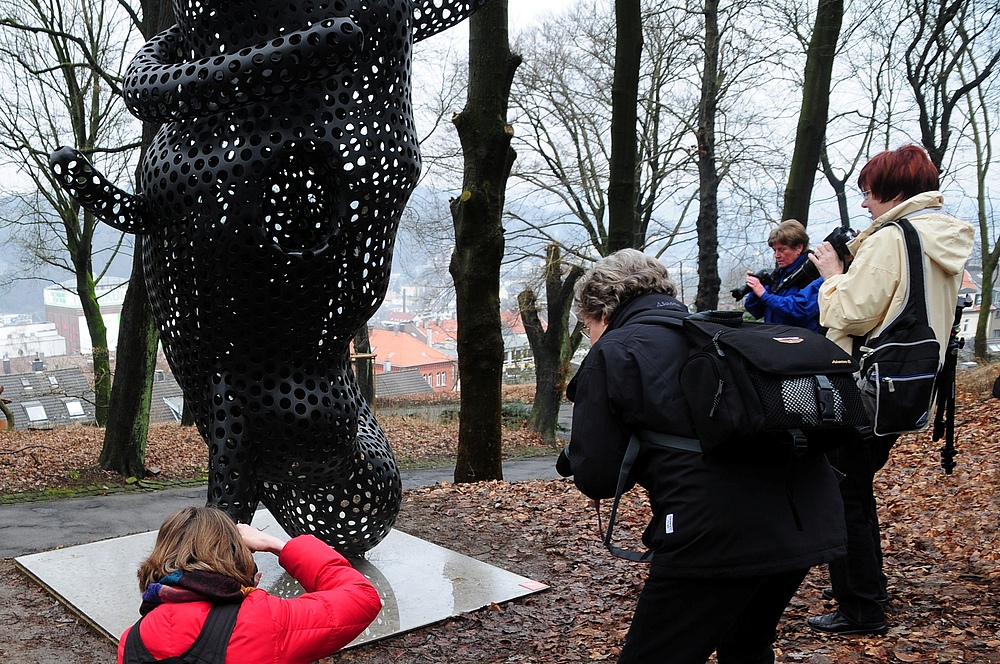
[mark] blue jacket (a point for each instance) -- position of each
(793, 306)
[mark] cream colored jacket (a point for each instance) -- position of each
(873, 290)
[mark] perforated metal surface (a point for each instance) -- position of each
(268, 204)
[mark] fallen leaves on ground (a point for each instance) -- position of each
(68, 457)
(942, 542)
(941, 538)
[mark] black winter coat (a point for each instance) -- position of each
(711, 518)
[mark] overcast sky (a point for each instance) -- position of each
(521, 11)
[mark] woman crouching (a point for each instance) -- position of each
(199, 596)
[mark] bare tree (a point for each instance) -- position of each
(479, 242)
(815, 105)
(939, 39)
(62, 63)
(623, 188)
(124, 449)
(548, 343)
(981, 111)
(565, 120)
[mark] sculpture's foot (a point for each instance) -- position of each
(352, 513)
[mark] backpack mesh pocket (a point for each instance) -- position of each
(794, 402)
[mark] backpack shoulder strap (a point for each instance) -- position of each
(209, 648)
(916, 295)
(915, 302)
(212, 643)
(666, 317)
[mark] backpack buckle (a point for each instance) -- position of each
(826, 402)
(800, 444)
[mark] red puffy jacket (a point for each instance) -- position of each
(339, 603)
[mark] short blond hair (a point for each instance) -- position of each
(198, 538)
(618, 278)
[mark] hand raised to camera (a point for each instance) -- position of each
(260, 541)
(754, 284)
(826, 260)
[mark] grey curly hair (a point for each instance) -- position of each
(617, 279)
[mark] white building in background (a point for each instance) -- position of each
(64, 310)
(31, 340)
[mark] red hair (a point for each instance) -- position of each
(906, 172)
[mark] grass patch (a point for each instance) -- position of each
(105, 489)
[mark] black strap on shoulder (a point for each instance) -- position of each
(209, 648)
(915, 302)
(665, 317)
(916, 296)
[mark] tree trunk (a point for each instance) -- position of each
(623, 223)
(86, 290)
(708, 177)
(124, 449)
(552, 347)
(479, 242)
(365, 369)
(811, 131)
(7, 413)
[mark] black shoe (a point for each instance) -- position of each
(828, 595)
(838, 623)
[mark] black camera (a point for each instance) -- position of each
(806, 273)
(765, 279)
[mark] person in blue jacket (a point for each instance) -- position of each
(783, 301)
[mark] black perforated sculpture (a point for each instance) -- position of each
(268, 206)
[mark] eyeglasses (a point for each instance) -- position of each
(586, 330)
(866, 194)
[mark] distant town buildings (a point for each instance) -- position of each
(397, 350)
(64, 310)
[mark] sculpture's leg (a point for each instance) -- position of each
(352, 513)
(232, 462)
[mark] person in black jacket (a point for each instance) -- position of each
(729, 548)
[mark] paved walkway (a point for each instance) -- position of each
(40, 526)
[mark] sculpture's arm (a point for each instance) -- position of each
(432, 16)
(159, 87)
(115, 207)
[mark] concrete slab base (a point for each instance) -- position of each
(420, 583)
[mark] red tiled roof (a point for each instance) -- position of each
(512, 321)
(403, 350)
(968, 284)
(444, 329)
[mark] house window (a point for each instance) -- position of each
(25, 383)
(75, 408)
(53, 381)
(429, 379)
(36, 411)
(440, 377)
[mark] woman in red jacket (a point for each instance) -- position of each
(202, 559)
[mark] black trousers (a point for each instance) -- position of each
(857, 578)
(682, 621)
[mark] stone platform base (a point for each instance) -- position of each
(420, 583)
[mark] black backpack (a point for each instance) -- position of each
(899, 366)
(209, 648)
(755, 391)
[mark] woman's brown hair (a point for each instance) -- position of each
(198, 538)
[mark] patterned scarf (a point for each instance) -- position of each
(192, 586)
